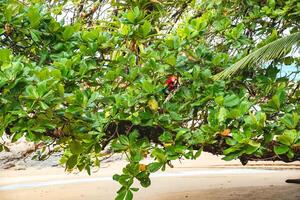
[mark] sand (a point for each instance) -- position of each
(207, 178)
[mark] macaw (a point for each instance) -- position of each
(171, 84)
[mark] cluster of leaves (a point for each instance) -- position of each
(94, 83)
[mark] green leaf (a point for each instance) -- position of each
(231, 100)
(198, 153)
(43, 105)
(116, 177)
(261, 118)
(76, 147)
(137, 12)
(254, 143)
(147, 86)
(121, 195)
(16, 137)
(35, 35)
(144, 179)
(238, 136)
(129, 195)
(70, 30)
(219, 100)
(124, 180)
(276, 101)
(175, 116)
(232, 149)
(231, 141)
(290, 154)
(237, 32)
(220, 59)
(289, 137)
(72, 161)
(166, 137)
(88, 169)
(90, 36)
(11, 10)
(134, 189)
(222, 114)
(130, 17)
(5, 55)
(171, 60)
(180, 133)
(117, 147)
(34, 16)
(249, 149)
(288, 60)
(146, 28)
(282, 149)
(201, 101)
(230, 157)
(155, 166)
(124, 140)
(220, 25)
(32, 92)
(271, 3)
(252, 147)
(290, 120)
(159, 154)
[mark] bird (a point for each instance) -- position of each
(171, 84)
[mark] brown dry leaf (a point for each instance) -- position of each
(142, 167)
(225, 132)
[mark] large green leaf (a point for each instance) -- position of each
(289, 137)
(231, 100)
(290, 120)
(72, 161)
(155, 166)
(34, 16)
(5, 55)
(282, 149)
(271, 51)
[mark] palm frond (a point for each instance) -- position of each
(273, 50)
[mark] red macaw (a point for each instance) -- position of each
(171, 84)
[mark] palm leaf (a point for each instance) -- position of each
(273, 50)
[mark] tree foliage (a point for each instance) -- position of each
(88, 76)
(271, 51)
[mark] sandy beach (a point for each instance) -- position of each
(207, 178)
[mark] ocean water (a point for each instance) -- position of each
(286, 70)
